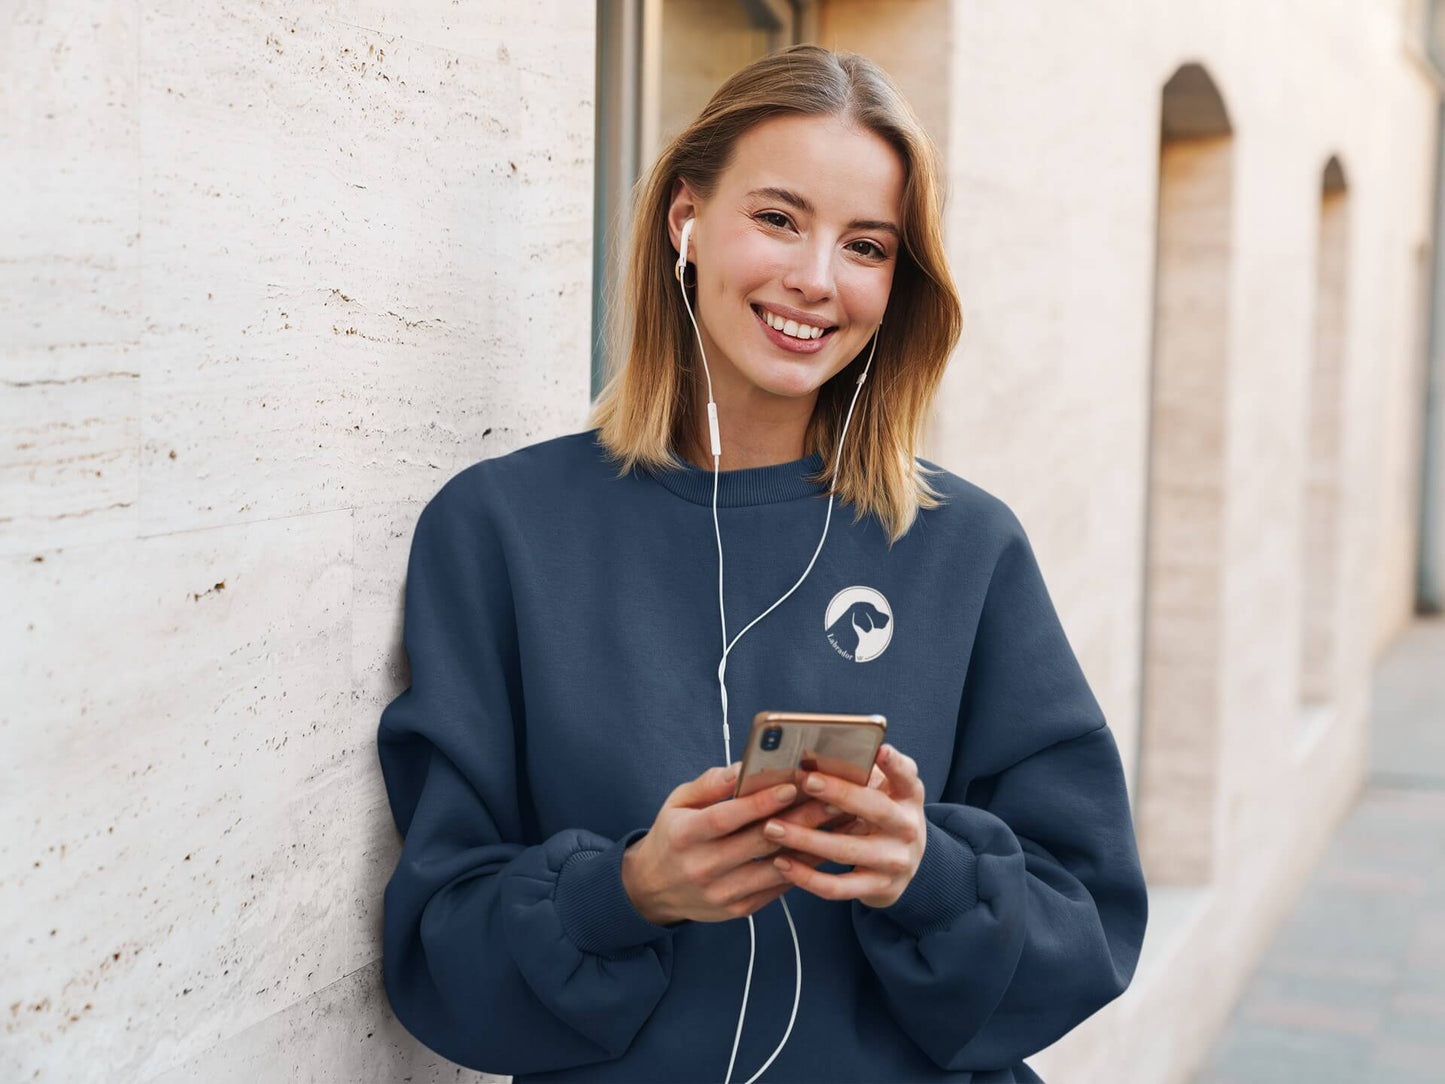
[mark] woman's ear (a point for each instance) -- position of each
(682, 207)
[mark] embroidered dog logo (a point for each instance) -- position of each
(858, 623)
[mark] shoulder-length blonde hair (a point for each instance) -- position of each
(648, 406)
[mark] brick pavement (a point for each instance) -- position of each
(1352, 990)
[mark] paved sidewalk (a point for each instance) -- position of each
(1353, 987)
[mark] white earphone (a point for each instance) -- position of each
(722, 665)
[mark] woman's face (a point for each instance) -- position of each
(832, 260)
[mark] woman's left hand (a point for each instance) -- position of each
(883, 845)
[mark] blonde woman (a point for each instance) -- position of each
(561, 768)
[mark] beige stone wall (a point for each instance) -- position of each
(272, 273)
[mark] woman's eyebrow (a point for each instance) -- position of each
(795, 200)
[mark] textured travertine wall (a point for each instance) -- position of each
(272, 273)
(269, 274)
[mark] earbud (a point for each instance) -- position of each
(682, 250)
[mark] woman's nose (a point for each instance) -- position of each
(812, 274)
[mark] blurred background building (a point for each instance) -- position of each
(273, 273)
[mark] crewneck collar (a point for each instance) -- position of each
(744, 486)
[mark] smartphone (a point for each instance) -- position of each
(782, 742)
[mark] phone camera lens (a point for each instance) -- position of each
(771, 739)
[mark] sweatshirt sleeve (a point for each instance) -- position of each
(1027, 912)
(503, 954)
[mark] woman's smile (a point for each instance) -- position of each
(788, 342)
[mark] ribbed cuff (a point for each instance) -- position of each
(593, 905)
(944, 886)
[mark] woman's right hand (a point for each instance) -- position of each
(696, 861)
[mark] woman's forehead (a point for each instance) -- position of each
(828, 166)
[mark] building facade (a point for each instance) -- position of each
(279, 271)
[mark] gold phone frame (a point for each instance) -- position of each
(855, 740)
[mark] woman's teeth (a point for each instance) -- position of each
(791, 327)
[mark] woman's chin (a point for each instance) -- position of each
(791, 379)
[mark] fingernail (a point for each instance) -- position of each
(773, 830)
(886, 750)
(813, 783)
(785, 792)
(732, 772)
(782, 863)
(832, 808)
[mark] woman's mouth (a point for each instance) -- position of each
(787, 342)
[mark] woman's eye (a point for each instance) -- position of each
(874, 252)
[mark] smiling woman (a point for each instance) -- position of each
(575, 851)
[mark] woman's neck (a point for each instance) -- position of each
(740, 454)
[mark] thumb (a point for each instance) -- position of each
(711, 786)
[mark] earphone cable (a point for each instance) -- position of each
(727, 647)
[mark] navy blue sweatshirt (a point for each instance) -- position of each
(563, 636)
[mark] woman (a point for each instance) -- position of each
(563, 906)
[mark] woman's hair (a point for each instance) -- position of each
(648, 407)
